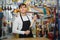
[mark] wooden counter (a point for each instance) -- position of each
(28, 39)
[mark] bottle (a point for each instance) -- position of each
(34, 31)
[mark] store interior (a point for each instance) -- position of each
(44, 28)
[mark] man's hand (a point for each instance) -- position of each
(27, 32)
(35, 17)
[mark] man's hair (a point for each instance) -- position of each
(22, 4)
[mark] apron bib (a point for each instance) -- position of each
(26, 26)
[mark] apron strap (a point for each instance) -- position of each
(21, 17)
(28, 18)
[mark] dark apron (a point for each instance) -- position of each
(26, 26)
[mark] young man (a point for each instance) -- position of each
(23, 23)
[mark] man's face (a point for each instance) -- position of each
(23, 9)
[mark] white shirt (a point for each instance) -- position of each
(17, 24)
(24, 18)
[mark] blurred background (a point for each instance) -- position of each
(46, 25)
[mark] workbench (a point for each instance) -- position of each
(28, 39)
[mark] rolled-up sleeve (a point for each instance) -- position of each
(15, 28)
